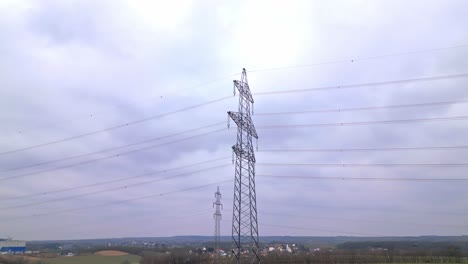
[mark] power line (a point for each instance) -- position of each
(201, 186)
(111, 181)
(56, 123)
(382, 122)
(381, 209)
(92, 115)
(113, 148)
(349, 86)
(119, 202)
(364, 108)
(108, 157)
(225, 98)
(322, 230)
(127, 186)
(385, 210)
(134, 122)
(362, 178)
(351, 165)
(359, 58)
(366, 149)
(365, 220)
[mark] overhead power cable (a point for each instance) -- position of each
(350, 86)
(134, 122)
(123, 187)
(92, 115)
(361, 178)
(363, 123)
(355, 59)
(117, 202)
(56, 123)
(365, 220)
(355, 165)
(114, 148)
(108, 157)
(122, 125)
(338, 110)
(387, 210)
(110, 181)
(366, 149)
(322, 230)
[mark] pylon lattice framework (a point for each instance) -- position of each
(244, 220)
(217, 217)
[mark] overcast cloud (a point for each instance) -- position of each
(72, 67)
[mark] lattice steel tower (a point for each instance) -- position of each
(244, 220)
(217, 217)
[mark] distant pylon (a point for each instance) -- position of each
(217, 217)
(244, 219)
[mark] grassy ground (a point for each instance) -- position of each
(93, 259)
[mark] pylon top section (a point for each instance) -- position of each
(243, 87)
(217, 194)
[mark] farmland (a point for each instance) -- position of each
(94, 259)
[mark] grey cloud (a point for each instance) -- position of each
(65, 61)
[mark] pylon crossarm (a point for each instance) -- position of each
(244, 121)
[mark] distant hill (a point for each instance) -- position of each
(265, 239)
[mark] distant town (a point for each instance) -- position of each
(273, 249)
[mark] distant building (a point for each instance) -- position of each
(288, 249)
(12, 246)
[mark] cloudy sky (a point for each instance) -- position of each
(88, 151)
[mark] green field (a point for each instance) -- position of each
(93, 259)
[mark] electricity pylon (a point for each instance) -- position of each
(244, 218)
(217, 217)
